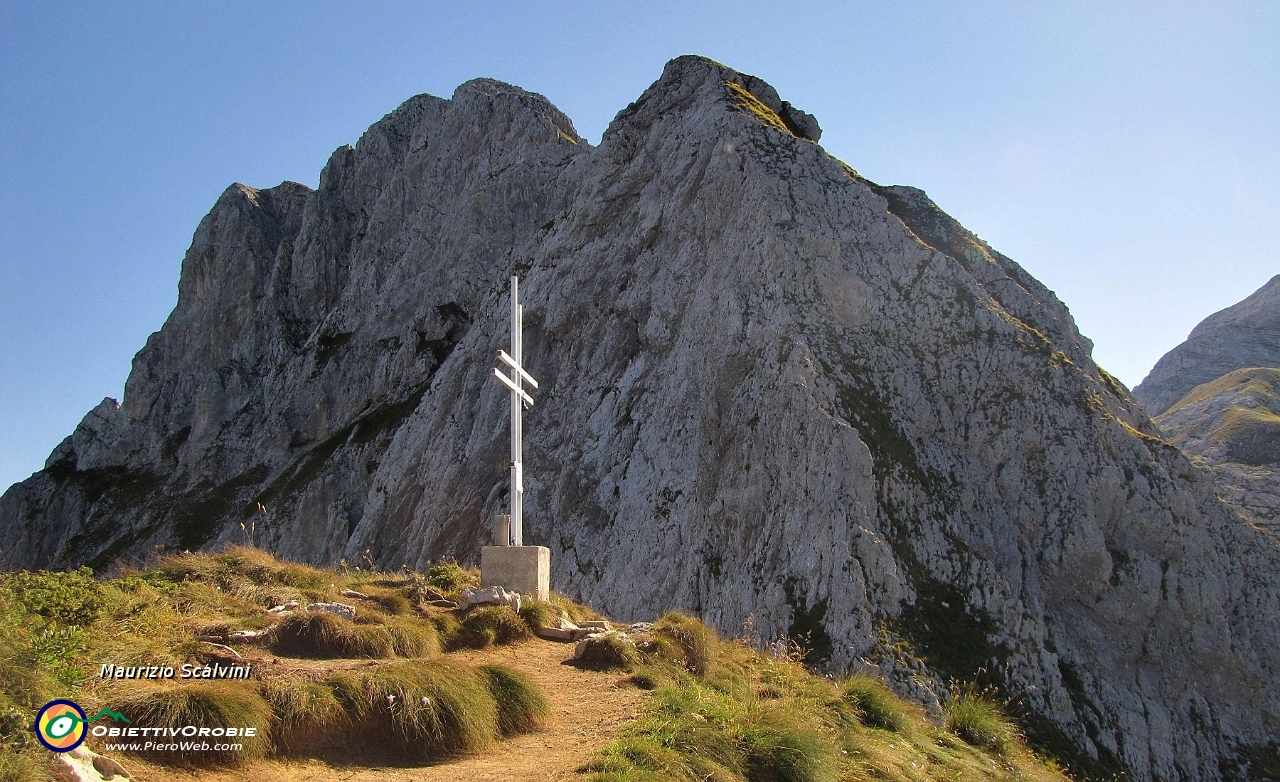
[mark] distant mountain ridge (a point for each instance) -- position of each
(771, 391)
(1229, 424)
(1246, 334)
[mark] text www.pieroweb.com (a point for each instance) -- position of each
(177, 739)
(177, 746)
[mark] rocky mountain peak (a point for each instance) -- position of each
(698, 86)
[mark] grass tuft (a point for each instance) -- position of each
(436, 708)
(875, 704)
(979, 721)
(205, 704)
(608, 652)
(695, 641)
(413, 637)
(322, 635)
(308, 715)
(574, 612)
(753, 105)
(391, 601)
(490, 625)
(783, 745)
(522, 708)
(538, 614)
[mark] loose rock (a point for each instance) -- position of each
(338, 609)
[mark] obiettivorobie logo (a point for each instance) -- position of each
(61, 725)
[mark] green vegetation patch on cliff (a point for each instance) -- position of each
(949, 634)
(750, 104)
(380, 421)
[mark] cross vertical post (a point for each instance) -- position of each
(519, 399)
(511, 564)
(517, 418)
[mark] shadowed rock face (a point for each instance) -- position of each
(1243, 335)
(769, 389)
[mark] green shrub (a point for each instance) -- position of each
(206, 704)
(979, 721)
(488, 625)
(23, 680)
(56, 650)
(68, 598)
(452, 577)
(42, 620)
(874, 703)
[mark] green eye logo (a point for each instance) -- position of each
(61, 725)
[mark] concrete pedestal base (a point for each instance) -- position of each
(523, 569)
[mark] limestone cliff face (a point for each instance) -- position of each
(770, 389)
(1243, 335)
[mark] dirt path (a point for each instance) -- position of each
(588, 709)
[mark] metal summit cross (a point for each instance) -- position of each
(519, 399)
(511, 564)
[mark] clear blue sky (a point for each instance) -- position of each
(1126, 154)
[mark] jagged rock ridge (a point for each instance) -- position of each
(769, 389)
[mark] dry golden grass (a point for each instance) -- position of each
(155, 616)
(739, 715)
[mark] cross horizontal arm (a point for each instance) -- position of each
(511, 362)
(509, 383)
